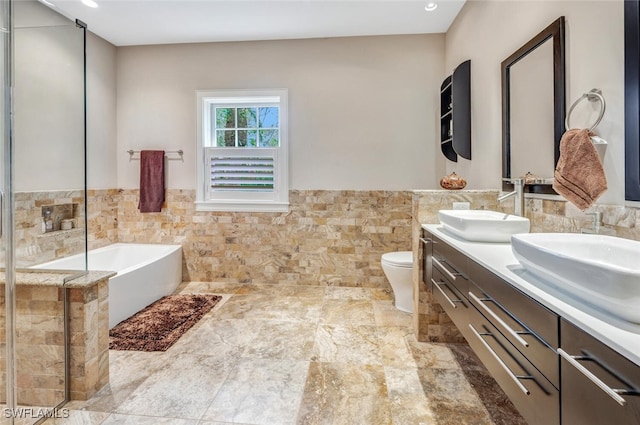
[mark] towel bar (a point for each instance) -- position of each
(180, 152)
(592, 96)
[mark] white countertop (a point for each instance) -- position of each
(624, 337)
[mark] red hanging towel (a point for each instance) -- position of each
(151, 181)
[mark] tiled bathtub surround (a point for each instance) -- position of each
(328, 237)
(102, 217)
(331, 238)
(34, 247)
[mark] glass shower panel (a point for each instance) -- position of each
(7, 399)
(49, 137)
(49, 196)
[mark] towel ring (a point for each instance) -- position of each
(593, 96)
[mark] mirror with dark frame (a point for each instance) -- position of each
(533, 108)
(632, 99)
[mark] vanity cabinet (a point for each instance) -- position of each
(512, 334)
(599, 386)
(455, 113)
(553, 372)
(445, 274)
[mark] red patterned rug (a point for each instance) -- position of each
(159, 325)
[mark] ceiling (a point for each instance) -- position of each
(137, 22)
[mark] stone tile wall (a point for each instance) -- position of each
(40, 343)
(40, 346)
(328, 237)
(431, 323)
(89, 339)
(34, 247)
(562, 216)
(102, 217)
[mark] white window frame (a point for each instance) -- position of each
(241, 201)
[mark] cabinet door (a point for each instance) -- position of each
(461, 94)
(594, 381)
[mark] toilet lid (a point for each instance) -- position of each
(400, 259)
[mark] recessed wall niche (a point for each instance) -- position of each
(59, 213)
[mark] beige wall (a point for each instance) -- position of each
(487, 32)
(48, 106)
(49, 85)
(362, 110)
(101, 113)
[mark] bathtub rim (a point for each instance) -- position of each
(174, 248)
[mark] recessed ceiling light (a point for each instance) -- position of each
(48, 3)
(430, 7)
(90, 3)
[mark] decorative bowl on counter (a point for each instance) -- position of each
(453, 182)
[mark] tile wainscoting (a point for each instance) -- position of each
(333, 238)
(328, 237)
(35, 247)
(432, 324)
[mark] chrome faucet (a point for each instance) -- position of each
(596, 223)
(518, 192)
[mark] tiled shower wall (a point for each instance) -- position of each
(34, 247)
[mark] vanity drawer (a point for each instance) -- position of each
(533, 330)
(450, 298)
(451, 274)
(537, 400)
(583, 355)
(449, 257)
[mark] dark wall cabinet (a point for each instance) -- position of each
(553, 372)
(455, 113)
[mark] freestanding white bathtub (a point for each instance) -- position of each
(146, 272)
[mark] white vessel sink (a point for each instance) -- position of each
(603, 271)
(483, 225)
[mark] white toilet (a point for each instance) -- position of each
(398, 267)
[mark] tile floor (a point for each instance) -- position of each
(307, 355)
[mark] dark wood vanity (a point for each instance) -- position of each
(530, 350)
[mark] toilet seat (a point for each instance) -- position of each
(398, 259)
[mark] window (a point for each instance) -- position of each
(242, 151)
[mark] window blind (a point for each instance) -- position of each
(251, 171)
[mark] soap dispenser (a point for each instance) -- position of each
(48, 222)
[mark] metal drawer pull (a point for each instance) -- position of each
(514, 378)
(593, 378)
(452, 302)
(450, 275)
(498, 320)
(426, 240)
